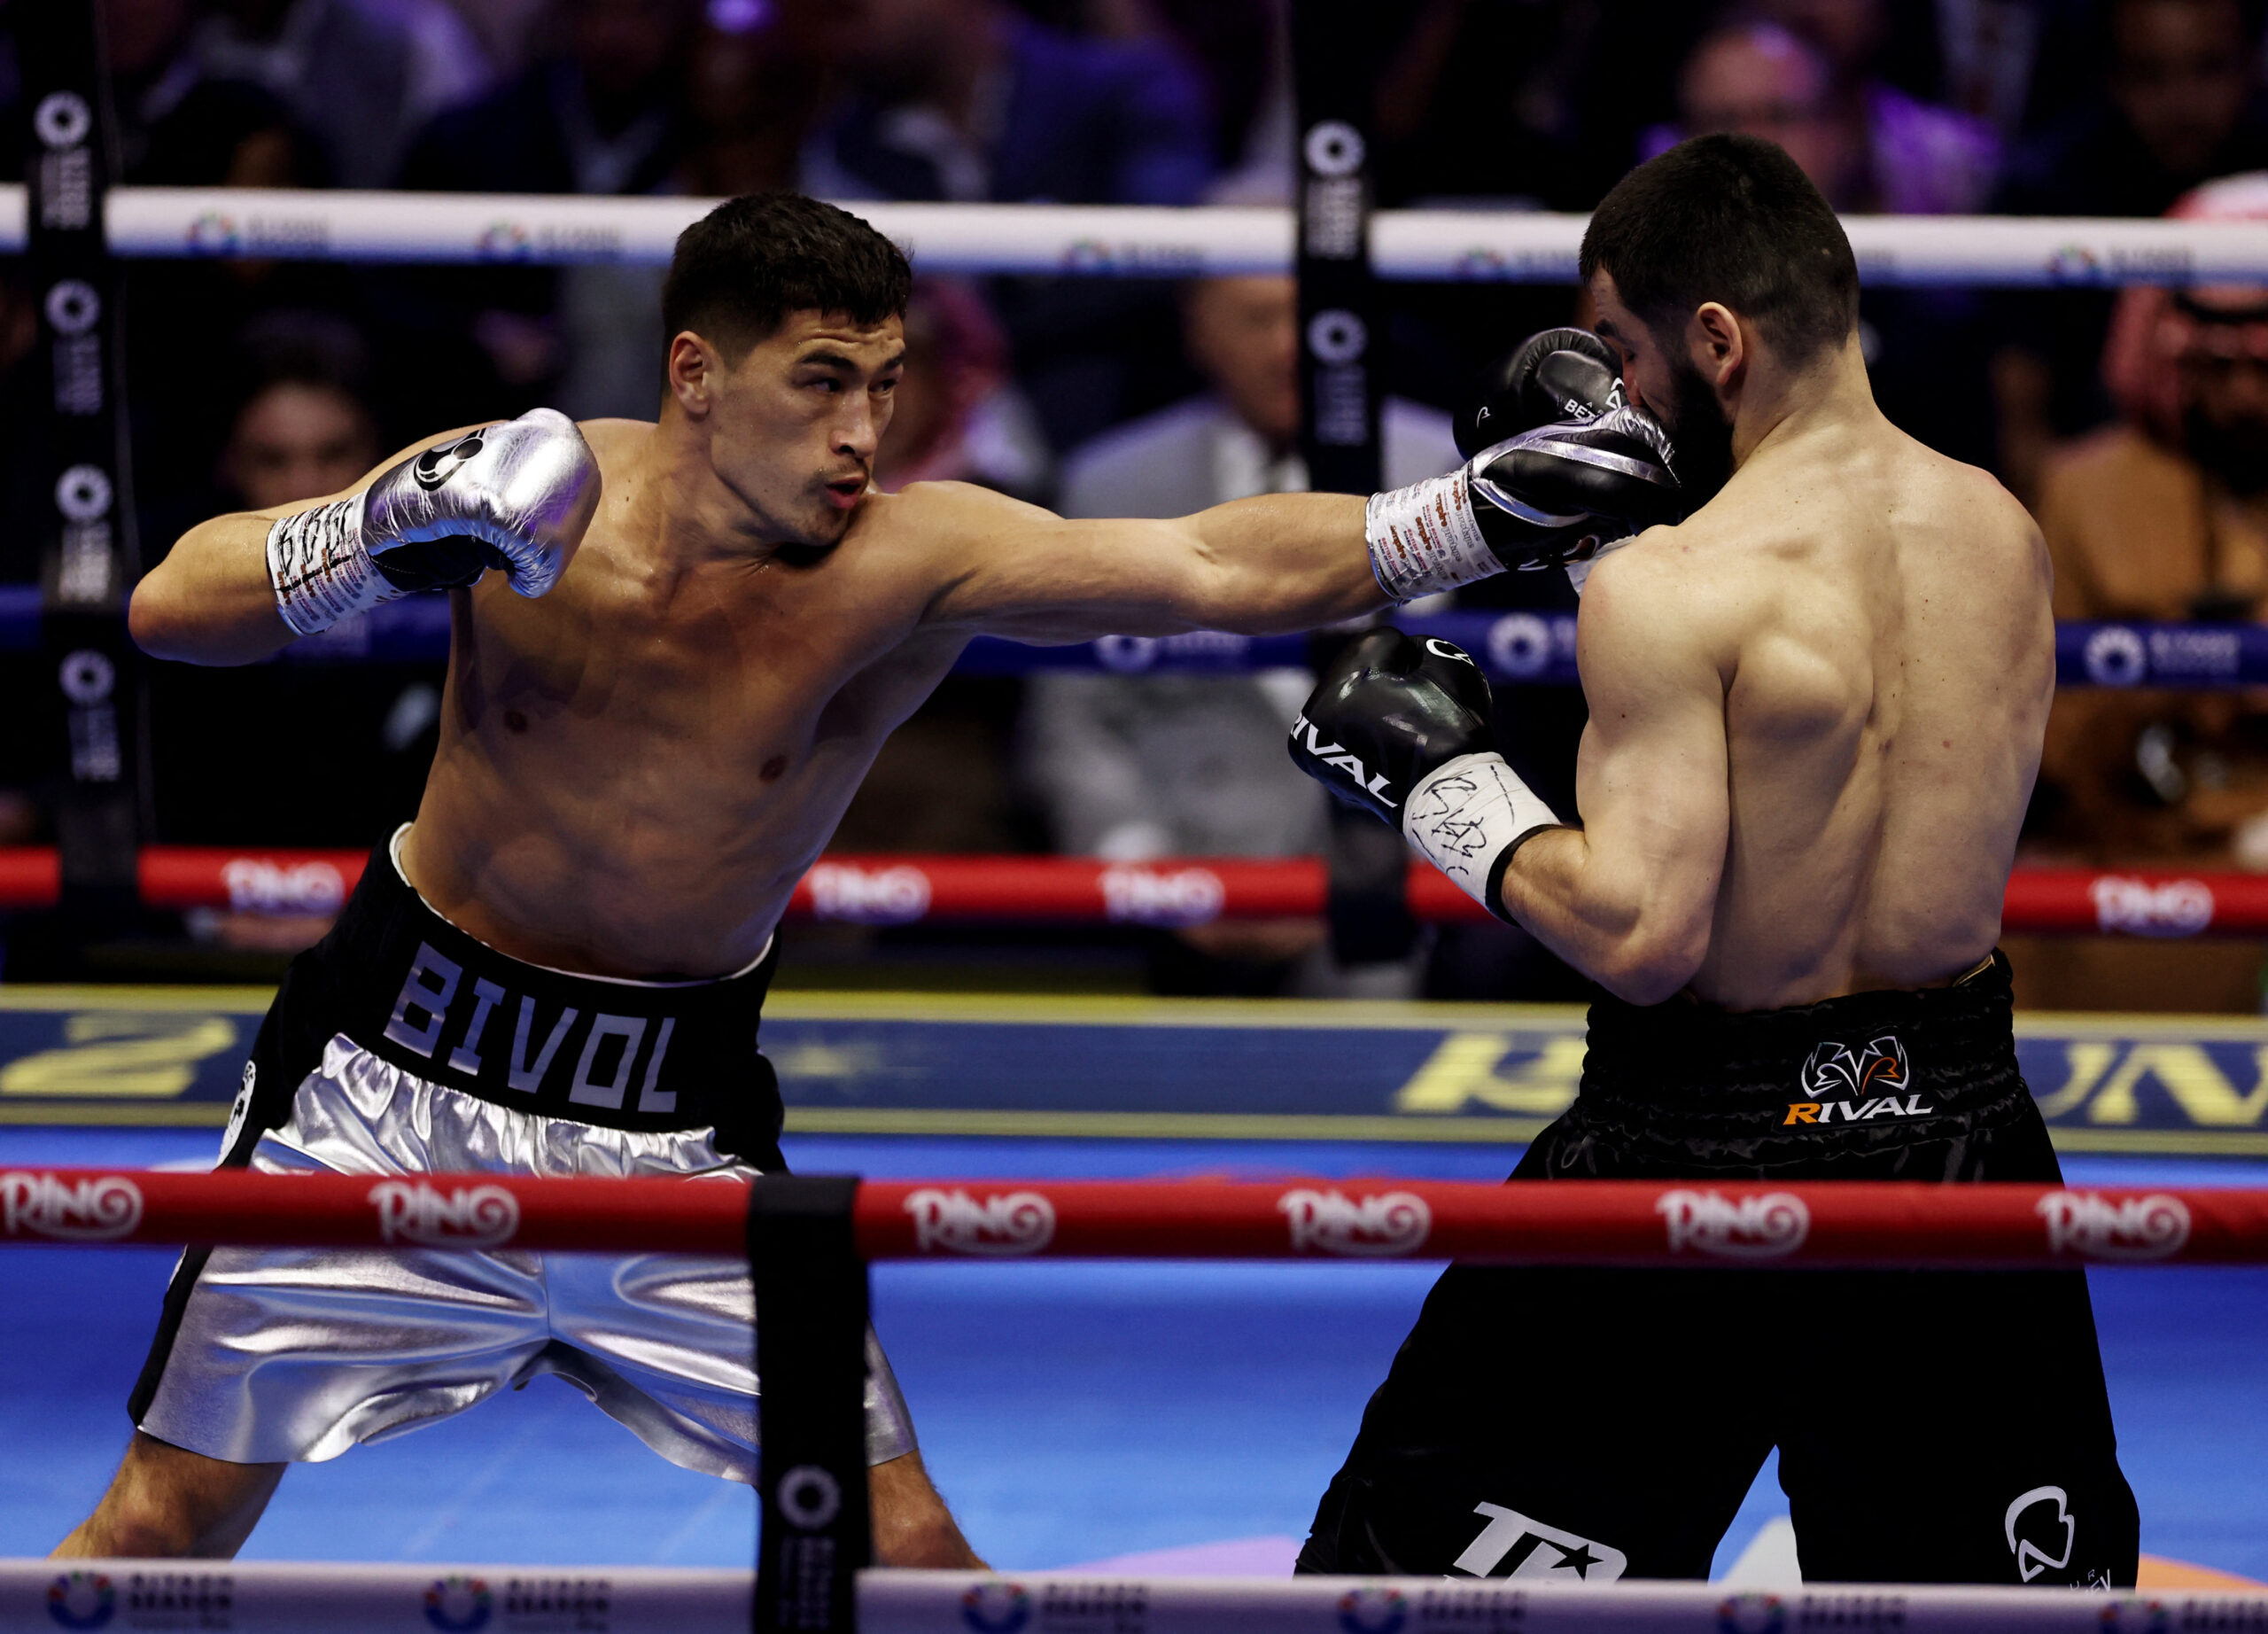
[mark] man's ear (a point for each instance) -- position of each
(694, 369)
(1717, 346)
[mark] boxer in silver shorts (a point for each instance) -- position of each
(400, 1045)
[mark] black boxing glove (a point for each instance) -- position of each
(1542, 498)
(1560, 374)
(1400, 727)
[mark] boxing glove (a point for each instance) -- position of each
(516, 496)
(1400, 727)
(1539, 500)
(1560, 374)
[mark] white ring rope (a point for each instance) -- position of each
(557, 229)
(266, 1596)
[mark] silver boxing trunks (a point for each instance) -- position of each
(399, 1045)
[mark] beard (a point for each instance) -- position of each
(1700, 436)
(2237, 452)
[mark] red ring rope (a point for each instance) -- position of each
(901, 890)
(1594, 1222)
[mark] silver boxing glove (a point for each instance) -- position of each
(514, 497)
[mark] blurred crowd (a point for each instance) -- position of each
(2134, 425)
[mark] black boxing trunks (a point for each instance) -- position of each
(1582, 1425)
(399, 1045)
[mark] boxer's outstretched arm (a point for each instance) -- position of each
(1630, 898)
(210, 600)
(1280, 561)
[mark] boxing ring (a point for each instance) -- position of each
(1338, 1227)
(1739, 1225)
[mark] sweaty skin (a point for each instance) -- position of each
(1816, 705)
(635, 770)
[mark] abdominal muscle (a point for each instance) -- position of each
(626, 894)
(611, 850)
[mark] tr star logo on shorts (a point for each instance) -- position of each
(1868, 1081)
(1512, 1544)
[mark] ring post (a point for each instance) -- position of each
(91, 556)
(814, 1531)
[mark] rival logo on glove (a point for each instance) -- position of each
(1344, 759)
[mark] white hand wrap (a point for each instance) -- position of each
(321, 570)
(1425, 537)
(1460, 818)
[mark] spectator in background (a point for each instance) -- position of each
(1132, 769)
(182, 315)
(2163, 515)
(301, 424)
(1906, 157)
(1866, 146)
(957, 415)
(304, 431)
(362, 75)
(2183, 104)
(972, 100)
(605, 114)
(758, 80)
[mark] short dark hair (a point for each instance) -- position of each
(741, 270)
(1731, 219)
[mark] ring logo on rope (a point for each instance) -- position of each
(63, 119)
(212, 233)
(503, 241)
(2174, 907)
(2116, 656)
(859, 896)
(459, 1604)
(2133, 1228)
(480, 1216)
(1143, 896)
(101, 1209)
(1003, 1225)
(809, 1498)
(256, 885)
(1520, 645)
(1763, 1225)
(1751, 1614)
(1382, 1225)
(82, 1600)
(996, 1608)
(1373, 1611)
(2140, 1615)
(1334, 148)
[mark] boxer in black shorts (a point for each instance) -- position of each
(1584, 1424)
(1816, 707)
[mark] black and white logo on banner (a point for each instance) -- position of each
(1512, 1546)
